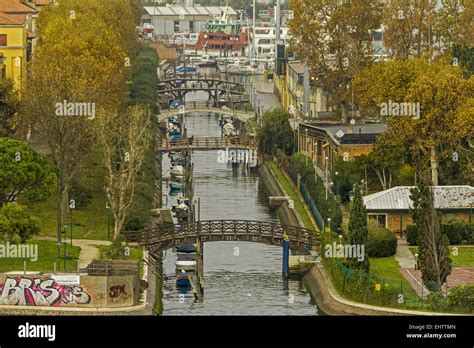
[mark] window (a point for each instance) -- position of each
(3, 39)
(380, 218)
(176, 27)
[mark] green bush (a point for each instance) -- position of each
(455, 230)
(461, 298)
(412, 234)
(382, 242)
(437, 301)
(81, 195)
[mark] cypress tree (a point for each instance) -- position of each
(435, 262)
(358, 231)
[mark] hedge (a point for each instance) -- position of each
(457, 231)
(326, 207)
(381, 242)
(412, 234)
(461, 298)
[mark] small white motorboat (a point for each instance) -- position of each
(178, 178)
(177, 171)
(229, 130)
(186, 265)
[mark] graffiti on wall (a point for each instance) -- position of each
(118, 294)
(24, 291)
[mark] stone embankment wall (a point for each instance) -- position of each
(287, 215)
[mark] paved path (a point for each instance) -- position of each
(89, 249)
(404, 256)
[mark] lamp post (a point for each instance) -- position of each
(326, 165)
(315, 163)
(340, 239)
(58, 245)
(65, 247)
(72, 206)
(107, 207)
(306, 147)
(329, 225)
(298, 136)
(416, 261)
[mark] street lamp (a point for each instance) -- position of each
(298, 136)
(107, 207)
(326, 165)
(340, 239)
(72, 206)
(329, 224)
(306, 148)
(314, 163)
(58, 245)
(416, 261)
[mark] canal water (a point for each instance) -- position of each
(240, 278)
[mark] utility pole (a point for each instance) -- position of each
(306, 89)
(254, 47)
(277, 26)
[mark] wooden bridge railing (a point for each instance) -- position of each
(212, 143)
(225, 230)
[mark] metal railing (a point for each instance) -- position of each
(224, 230)
(209, 143)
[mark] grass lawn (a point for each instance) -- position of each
(464, 257)
(387, 268)
(89, 222)
(290, 190)
(47, 255)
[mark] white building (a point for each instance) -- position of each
(170, 19)
(265, 40)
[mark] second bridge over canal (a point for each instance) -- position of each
(173, 235)
(207, 143)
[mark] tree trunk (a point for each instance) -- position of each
(60, 201)
(434, 166)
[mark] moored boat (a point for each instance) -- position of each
(186, 265)
(182, 280)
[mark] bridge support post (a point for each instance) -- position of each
(200, 265)
(286, 256)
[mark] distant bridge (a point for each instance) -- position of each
(205, 144)
(241, 115)
(169, 236)
(178, 87)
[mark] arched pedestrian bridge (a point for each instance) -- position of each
(202, 108)
(170, 236)
(178, 87)
(206, 144)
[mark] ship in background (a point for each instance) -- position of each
(223, 37)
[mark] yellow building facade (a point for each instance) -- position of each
(290, 90)
(13, 48)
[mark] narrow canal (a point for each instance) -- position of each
(241, 278)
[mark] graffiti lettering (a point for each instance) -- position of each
(117, 291)
(40, 292)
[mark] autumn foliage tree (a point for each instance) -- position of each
(446, 124)
(335, 39)
(80, 58)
